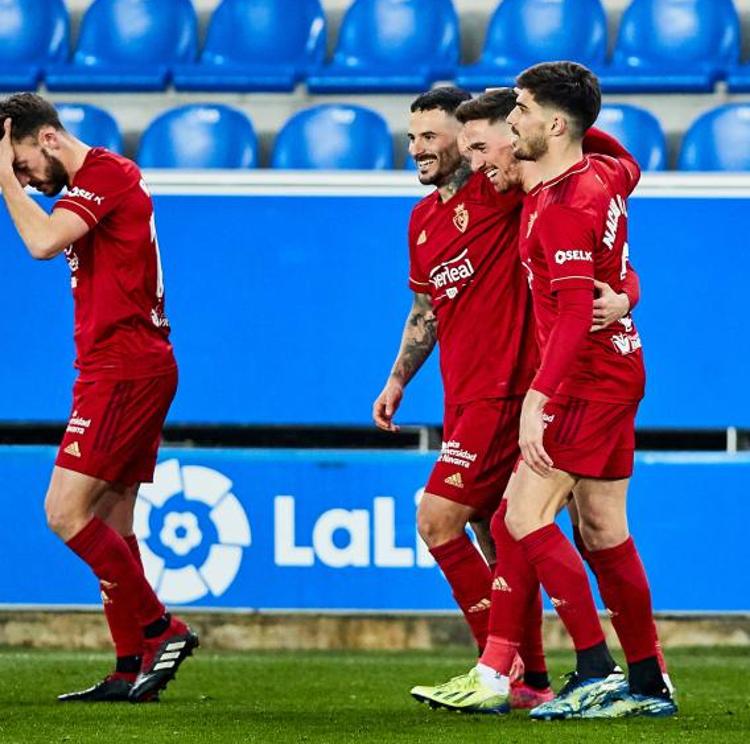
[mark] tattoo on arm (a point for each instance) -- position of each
(418, 339)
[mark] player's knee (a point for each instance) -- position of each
(597, 534)
(521, 521)
(60, 518)
(56, 517)
(437, 526)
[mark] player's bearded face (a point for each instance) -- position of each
(530, 146)
(490, 150)
(433, 144)
(528, 124)
(55, 176)
(36, 166)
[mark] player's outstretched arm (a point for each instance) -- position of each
(417, 342)
(44, 235)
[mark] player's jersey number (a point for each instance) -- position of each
(155, 241)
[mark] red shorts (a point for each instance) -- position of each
(115, 428)
(590, 438)
(480, 448)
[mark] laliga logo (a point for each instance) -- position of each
(191, 530)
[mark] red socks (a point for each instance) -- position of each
(560, 570)
(515, 622)
(126, 633)
(625, 591)
(470, 580)
(532, 643)
(110, 558)
(610, 588)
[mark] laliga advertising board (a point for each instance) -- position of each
(316, 530)
(194, 533)
(246, 529)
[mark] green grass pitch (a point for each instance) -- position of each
(337, 697)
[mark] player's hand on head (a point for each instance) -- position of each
(7, 155)
(386, 405)
(531, 437)
(609, 306)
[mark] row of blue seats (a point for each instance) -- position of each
(332, 136)
(383, 45)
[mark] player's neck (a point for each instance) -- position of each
(454, 184)
(558, 160)
(73, 155)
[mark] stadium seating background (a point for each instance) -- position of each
(269, 111)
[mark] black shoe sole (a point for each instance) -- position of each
(108, 691)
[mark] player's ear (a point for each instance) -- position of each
(48, 137)
(558, 125)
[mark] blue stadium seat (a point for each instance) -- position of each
(719, 140)
(524, 32)
(33, 33)
(199, 136)
(91, 124)
(639, 131)
(392, 45)
(129, 45)
(333, 136)
(258, 45)
(674, 46)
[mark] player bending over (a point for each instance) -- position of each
(104, 225)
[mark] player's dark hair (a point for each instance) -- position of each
(29, 113)
(494, 105)
(568, 86)
(447, 98)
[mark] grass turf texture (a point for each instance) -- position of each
(340, 697)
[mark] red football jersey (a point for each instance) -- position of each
(121, 330)
(573, 230)
(463, 253)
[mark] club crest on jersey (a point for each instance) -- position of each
(461, 218)
(532, 220)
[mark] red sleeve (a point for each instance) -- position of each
(631, 285)
(96, 191)
(575, 311)
(568, 238)
(598, 142)
(418, 281)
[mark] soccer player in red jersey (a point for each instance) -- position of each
(488, 141)
(471, 295)
(104, 225)
(577, 421)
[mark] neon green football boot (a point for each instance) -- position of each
(466, 693)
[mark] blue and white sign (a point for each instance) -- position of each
(192, 531)
(335, 530)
